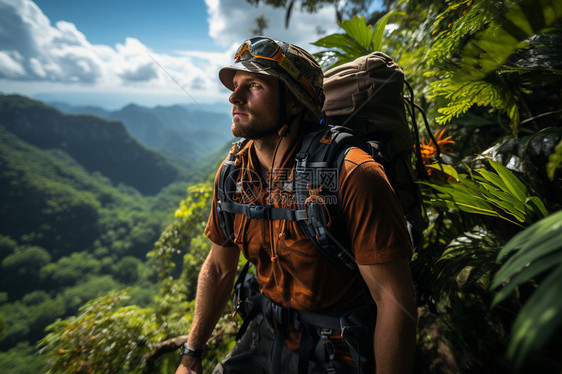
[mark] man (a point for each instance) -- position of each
(276, 99)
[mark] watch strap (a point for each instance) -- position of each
(188, 350)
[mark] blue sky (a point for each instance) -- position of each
(111, 53)
(164, 25)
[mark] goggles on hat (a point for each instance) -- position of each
(268, 51)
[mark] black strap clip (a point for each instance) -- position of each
(259, 212)
(281, 314)
(301, 161)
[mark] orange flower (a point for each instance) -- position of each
(428, 149)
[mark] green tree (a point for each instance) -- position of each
(103, 337)
(7, 246)
(21, 270)
(127, 269)
(69, 270)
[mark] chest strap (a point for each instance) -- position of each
(262, 212)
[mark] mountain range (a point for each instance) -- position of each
(182, 131)
(96, 144)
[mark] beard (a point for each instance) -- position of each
(252, 132)
(255, 127)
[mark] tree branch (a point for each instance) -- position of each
(160, 349)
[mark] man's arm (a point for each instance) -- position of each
(395, 332)
(213, 291)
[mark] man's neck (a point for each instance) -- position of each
(265, 147)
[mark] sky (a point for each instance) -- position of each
(110, 53)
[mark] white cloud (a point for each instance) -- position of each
(54, 53)
(11, 65)
(230, 22)
(33, 52)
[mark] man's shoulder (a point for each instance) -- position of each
(360, 167)
(356, 156)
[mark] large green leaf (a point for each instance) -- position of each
(530, 272)
(534, 235)
(358, 30)
(340, 41)
(537, 205)
(497, 193)
(505, 202)
(539, 319)
(541, 239)
(513, 184)
(359, 40)
(535, 252)
(549, 243)
(380, 26)
(447, 169)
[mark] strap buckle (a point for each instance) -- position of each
(301, 161)
(281, 314)
(259, 212)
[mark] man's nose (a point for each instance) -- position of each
(236, 97)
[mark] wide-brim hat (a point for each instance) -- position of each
(302, 60)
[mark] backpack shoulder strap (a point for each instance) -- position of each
(226, 183)
(317, 172)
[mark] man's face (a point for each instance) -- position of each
(255, 104)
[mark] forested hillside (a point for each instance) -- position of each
(98, 145)
(81, 204)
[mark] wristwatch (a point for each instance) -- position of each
(187, 350)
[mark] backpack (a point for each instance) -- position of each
(365, 108)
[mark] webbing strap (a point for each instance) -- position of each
(297, 318)
(262, 212)
(304, 350)
(278, 343)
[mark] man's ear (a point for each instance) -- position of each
(294, 107)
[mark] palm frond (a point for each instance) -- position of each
(534, 254)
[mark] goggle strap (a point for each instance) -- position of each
(290, 68)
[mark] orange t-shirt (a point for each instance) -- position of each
(291, 271)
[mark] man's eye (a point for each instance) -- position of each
(254, 84)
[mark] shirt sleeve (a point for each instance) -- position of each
(372, 213)
(213, 229)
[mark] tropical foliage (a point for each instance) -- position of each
(480, 68)
(358, 40)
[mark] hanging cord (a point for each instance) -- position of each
(274, 257)
(420, 167)
(412, 113)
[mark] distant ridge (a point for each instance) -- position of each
(95, 143)
(187, 132)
